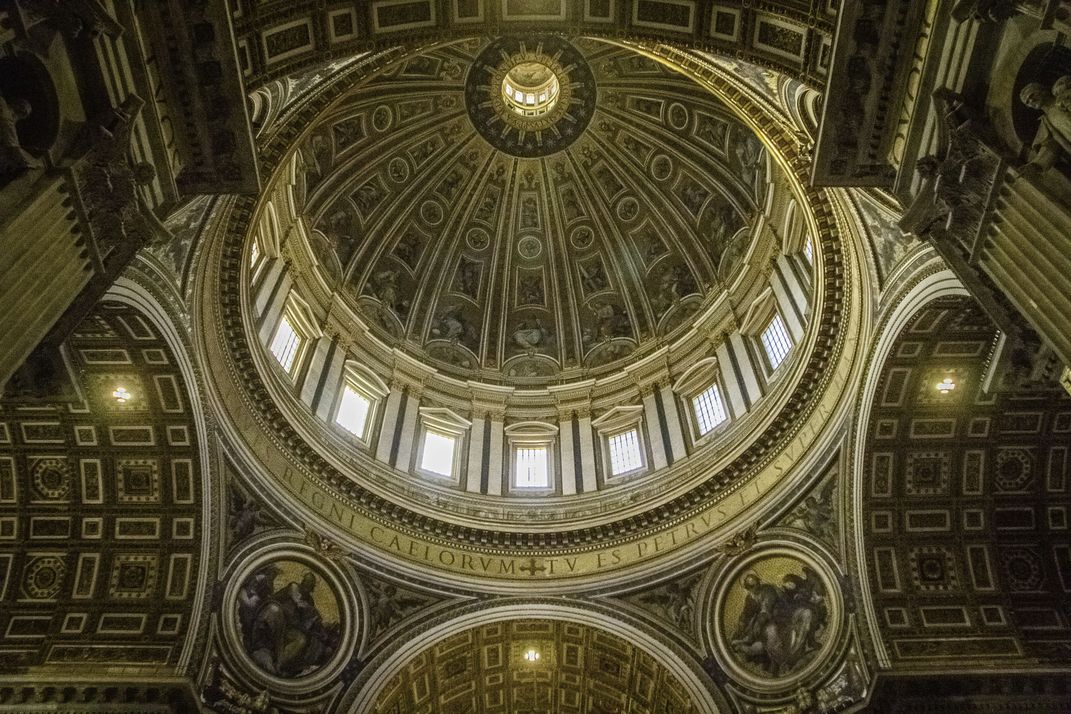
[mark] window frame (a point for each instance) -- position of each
(443, 422)
(616, 422)
(294, 324)
(300, 317)
(634, 429)
(767, 359)
(532, 434)
(700, 435)
(429, 431)
(367, 384)
(696, 380)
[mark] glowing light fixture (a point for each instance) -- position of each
(121, 395)
(946, 385)
(532, 655)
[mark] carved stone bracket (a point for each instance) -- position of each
(952, 208)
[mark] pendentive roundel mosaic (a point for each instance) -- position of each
(777, 613)
(289, 618)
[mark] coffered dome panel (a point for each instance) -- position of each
(504, 247)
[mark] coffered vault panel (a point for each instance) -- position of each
(100, 508)
(579, 669)
(483, 262)
(279, 37)
(966, 502)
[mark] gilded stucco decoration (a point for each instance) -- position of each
(965, 499)
(376, 100)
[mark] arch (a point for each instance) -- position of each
(129, 292)
(128, 462)
(965, 500)
(364, 693)
(935, 285)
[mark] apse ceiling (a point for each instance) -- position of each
(530, 209)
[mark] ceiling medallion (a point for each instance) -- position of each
(530, 97)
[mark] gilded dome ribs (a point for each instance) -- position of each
(606, 293)
(529, 247)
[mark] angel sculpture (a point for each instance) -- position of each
(323, 546)
(388, 605)
(677, 600)
(245, 515)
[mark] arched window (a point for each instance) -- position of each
(442, 436)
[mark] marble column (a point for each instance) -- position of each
(389, 425)
(674, 422)
(407, 430)
(587, 453)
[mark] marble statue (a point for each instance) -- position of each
(1053, 140)
(14, 158)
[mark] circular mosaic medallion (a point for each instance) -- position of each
(628, 209)
(398, 170)
(431, 212)
(382, 118)
(289, 617)
(530, 97)
(582, 238)
(477, 238)
(777, 616)
(661, 167)
(529, 247)
(44, 577)
(677, 116)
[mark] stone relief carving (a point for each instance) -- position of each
(816, 514)
(222, 695)
(983, 10)
(388, 604)
(673, 602)
(245, 516)
(110, 184)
